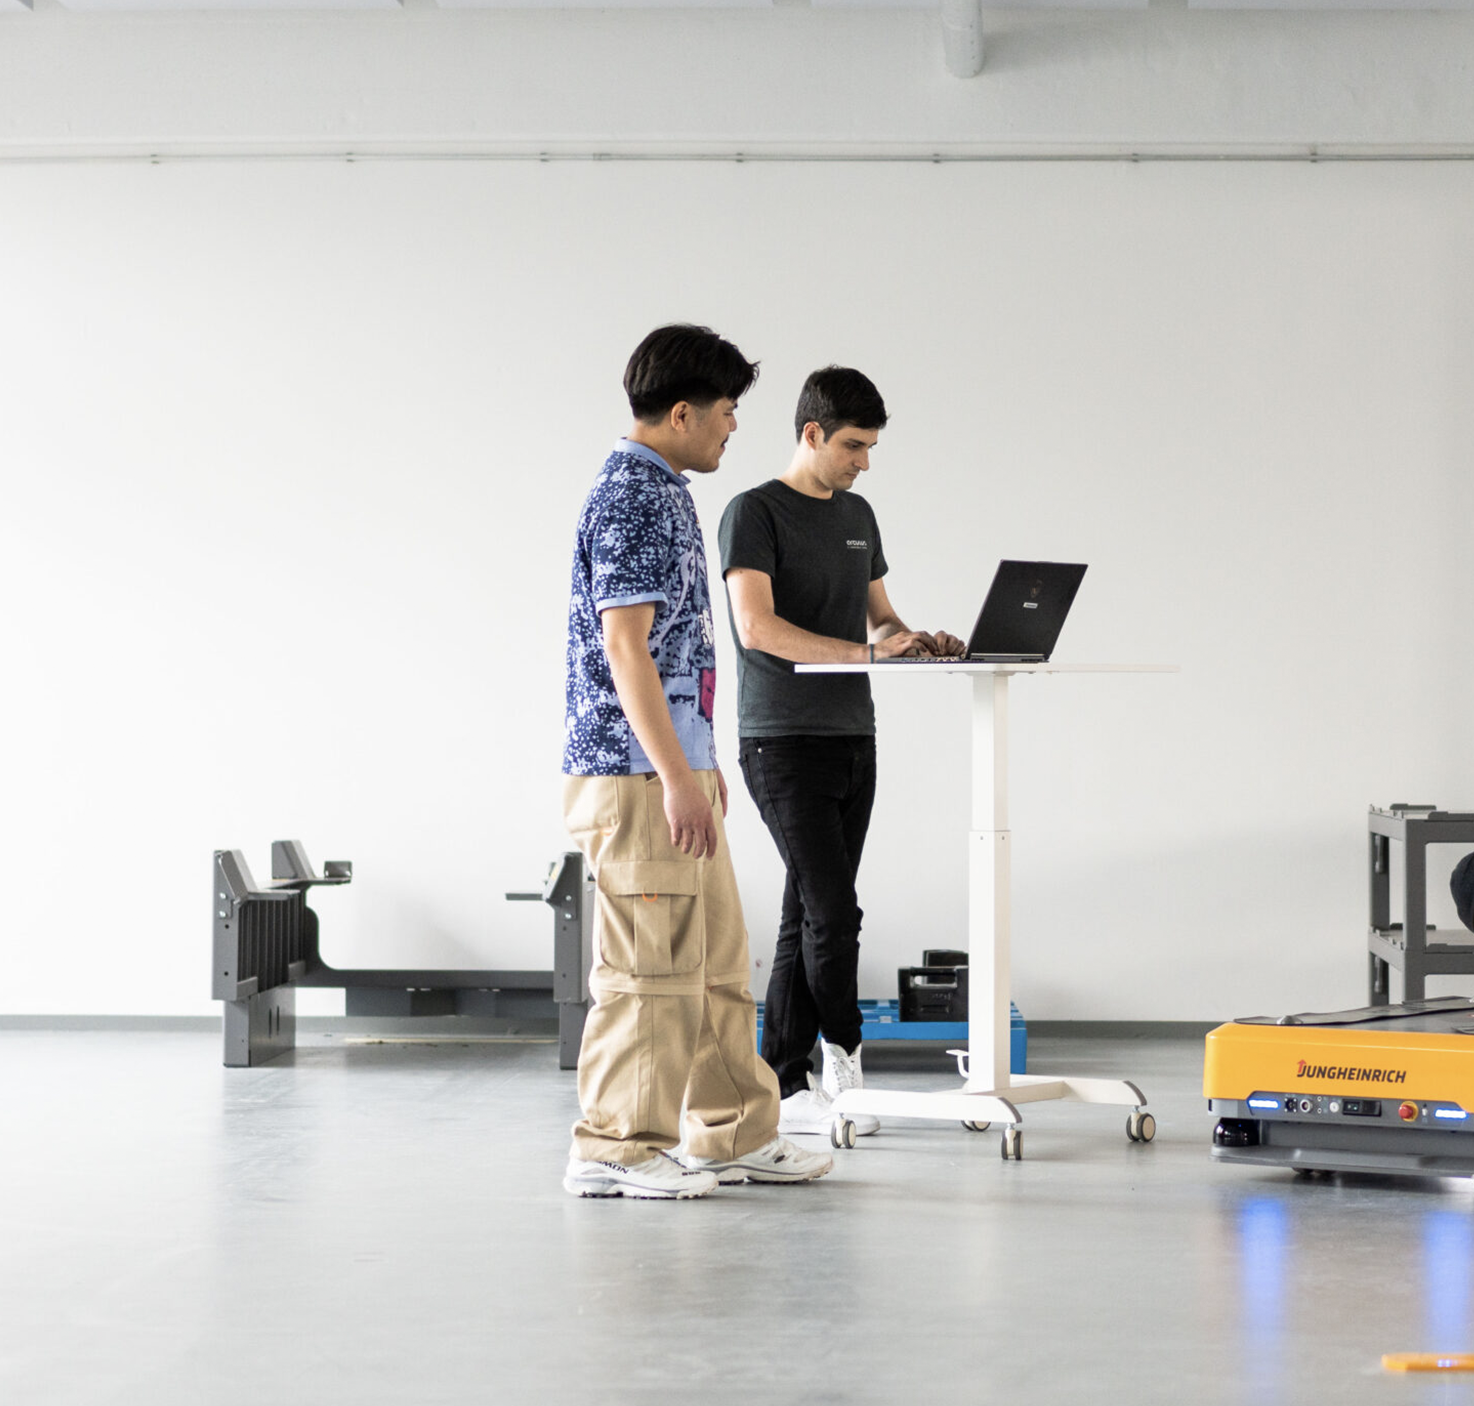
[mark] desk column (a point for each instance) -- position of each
(989, 1034)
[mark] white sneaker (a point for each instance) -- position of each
(778, 1160)
(812, 1111)
(661, 1178)
(841, 1072)
(808, 1111)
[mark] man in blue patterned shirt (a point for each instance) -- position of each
(673, 1020)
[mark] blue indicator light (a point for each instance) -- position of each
(1457, 1113)
(1264, 1103)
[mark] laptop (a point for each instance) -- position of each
(1021, 617)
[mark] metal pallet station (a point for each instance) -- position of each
(1410, 945)
(266, 945)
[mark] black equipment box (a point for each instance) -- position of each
(936, 990)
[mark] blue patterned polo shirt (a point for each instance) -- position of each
(638, 541)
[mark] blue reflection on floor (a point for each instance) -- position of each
(1264, 1235)
(1448, 1243)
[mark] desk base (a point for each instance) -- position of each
(989, 925)
(977, 1107)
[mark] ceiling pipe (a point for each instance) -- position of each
(962, 37)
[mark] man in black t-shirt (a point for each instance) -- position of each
(804, 568)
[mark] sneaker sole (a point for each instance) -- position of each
(634, 1193)
(731, 1176)
(609, 1188)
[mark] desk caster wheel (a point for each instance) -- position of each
(842, 1133)
(1012, 1145)
(974, 1127)
(1141, 1127)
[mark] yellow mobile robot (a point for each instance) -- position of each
(1384, 1089)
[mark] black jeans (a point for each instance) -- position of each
(815, 795)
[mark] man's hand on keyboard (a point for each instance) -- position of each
(942, 644)
(903, 643)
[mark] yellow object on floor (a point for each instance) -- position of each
(1428, 1361)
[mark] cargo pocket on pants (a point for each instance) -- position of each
(652, 922)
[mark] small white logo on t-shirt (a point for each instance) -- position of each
(857, 544)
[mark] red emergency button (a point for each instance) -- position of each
(1407, 1112)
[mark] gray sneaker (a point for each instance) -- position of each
(778, 1160)
(662, 1178)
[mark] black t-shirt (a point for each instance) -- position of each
(822, 554)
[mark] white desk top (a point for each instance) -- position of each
(962, 666)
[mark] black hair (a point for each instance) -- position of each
(684, 362)
(839, 395)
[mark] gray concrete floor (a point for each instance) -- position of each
(363, 1223)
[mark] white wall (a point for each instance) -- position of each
(294, 451)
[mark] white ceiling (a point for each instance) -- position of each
(121, 6)
(134, 6)
(1330, 4)
(605, 4)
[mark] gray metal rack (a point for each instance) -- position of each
(266, 945)
(1408, 945)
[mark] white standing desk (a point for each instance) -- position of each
(990, 1092)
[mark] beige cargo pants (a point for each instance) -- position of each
(672, 1019)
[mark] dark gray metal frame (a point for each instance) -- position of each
(1406, 945)
(569, 893)
(266, 945)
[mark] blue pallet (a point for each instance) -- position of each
(882, 1021)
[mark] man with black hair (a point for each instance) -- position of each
(673, 1019)
(804, 569)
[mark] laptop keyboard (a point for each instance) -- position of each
(963, 659)
(925, 659)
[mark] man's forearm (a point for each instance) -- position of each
(637, 682)
(759, 626)
(884, 629)
(642, 699)
(778, 637)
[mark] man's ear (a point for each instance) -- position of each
(813, 434)
(682, 416)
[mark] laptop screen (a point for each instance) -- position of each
(1025, 608)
